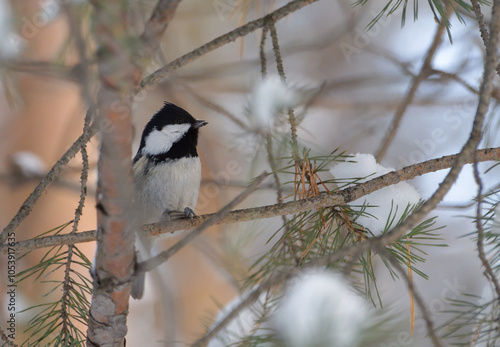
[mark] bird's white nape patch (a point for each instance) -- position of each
(160, 141)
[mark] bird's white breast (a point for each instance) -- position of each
(170, 185)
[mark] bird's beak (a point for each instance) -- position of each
(199, 124)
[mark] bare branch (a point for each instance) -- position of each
(262, 51)
(82, 68)
(157, 24)
(30, 201)
(425, 70)
(281, 71)
(212, 105)
(480, 21)
(269, 140)
(66, 284)
(490, 275)
(277, 182)
(154, 78)
(341, 197)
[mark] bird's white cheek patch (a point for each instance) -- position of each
(158, 142)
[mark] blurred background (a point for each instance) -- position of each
(363, 76)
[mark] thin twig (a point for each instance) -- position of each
(30, 201)
(156, 25)
(490, 275)
(66, 285)
(480, 21)
(482, 26)
(276, 49)
(212, 105)
(272, 163)
(404, 66)
(410, 278)
(269, 140)
(269, 144)
(154, 78)
(456, 78)
(250, 298)
(418, 298)
(281, 71)
(162, 257)
(82, 72)
(262, 51)
(336, 198)
(410, 94)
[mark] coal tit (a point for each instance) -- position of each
(166, 173)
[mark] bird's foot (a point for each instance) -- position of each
(165, 216)
(170, 215)
(188, 211)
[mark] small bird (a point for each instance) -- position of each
(166, 173)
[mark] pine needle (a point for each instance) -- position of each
(410, 277)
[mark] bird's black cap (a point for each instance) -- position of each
(186, 146)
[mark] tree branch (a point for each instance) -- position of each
(154, 78)
(157, 24)
(67, 285)
(281, 71)
(480, 21)
(28, 204)
(340, 197)
(212, 105)
(425, 70)
(488, 271)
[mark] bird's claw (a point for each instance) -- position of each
(172, 215)
(189, 213)
(165, 216)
